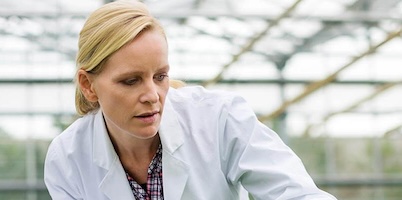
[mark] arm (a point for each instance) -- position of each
(261, 162)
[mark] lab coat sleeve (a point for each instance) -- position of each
(258, 159)
(58, 175)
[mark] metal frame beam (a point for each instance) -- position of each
(379, 90)
(355, 17)
(321, 83)
(251, 44)
(199, 81)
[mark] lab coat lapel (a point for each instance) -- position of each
(175, 175)
(175, 171)
(114, 184)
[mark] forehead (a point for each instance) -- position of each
(147, 50)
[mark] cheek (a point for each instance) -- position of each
(110, 95)
(163, 91)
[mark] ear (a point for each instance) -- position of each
(85, 82)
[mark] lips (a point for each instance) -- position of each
(148, 117)
(147, 114)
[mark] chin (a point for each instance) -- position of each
(146, 134)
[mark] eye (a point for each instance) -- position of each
(130, 81)
(161, 77)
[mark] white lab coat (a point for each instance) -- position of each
(213, 145)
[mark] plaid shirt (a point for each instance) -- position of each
(154, 189)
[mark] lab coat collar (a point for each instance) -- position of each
(175, 171)
(170, 131)
(103, 150)
(114, 184)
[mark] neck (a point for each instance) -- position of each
(136, 155)
(141, 150)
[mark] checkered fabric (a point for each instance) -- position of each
(154, 187)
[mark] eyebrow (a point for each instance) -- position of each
(131, 73)
(166, 67)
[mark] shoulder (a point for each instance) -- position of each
(68, 155)
(197, 98)
(72, 138)
(68, 158)
(198, 95)
(204, 108)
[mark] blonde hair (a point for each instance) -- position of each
(106, 30)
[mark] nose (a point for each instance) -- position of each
(149, 93)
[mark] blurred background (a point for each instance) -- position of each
(324, 74)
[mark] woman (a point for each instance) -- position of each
(140, 139)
